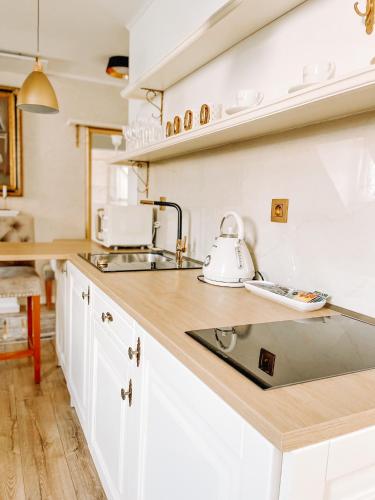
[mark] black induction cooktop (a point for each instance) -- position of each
(291, 352)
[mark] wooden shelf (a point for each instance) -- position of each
(236, 21)
(347, 95)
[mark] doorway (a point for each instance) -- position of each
(106, 182)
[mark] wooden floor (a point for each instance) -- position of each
(43, 453)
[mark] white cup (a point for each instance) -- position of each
(315, 73)
(248, 97)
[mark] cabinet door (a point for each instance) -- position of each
(78, 352)
(61, 315)
(109, 410)
(342, 468)
(189, 443)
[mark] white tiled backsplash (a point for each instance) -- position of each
(327, 171)
(328, 174)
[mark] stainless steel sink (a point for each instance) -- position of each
(137, 261)
(121, 259)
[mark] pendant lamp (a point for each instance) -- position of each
(118, 67)
(37, 94)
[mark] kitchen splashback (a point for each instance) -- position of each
(327, 171)
(328, 174)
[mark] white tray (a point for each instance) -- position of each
(293, 304)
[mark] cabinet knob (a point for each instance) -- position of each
(107, 317)
(135, 352)
(128, 394)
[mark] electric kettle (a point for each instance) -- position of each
(229, 262)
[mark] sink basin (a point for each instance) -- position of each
(137, 261)
(120, 259)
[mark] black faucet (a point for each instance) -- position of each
(180, 242)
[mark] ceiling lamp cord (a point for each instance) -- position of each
(38, 65)
(37, 32)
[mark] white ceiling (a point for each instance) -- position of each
(76, 36)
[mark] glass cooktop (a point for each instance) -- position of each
(290, 352)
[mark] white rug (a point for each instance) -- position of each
(13, 326)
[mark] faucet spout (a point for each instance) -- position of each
(180, 242)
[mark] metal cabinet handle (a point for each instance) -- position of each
(128, 393)
(107, 317)
(135, 352)
(85, 295)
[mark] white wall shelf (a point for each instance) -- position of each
(231, 24)
(337, 98)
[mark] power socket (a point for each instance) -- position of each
(279, 210)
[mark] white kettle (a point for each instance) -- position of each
(229, 262)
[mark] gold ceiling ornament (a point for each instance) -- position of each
(37, 94)
(369, 14)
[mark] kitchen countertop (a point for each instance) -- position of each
(57, 249)
(166, 303)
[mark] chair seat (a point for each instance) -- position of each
(19, 281)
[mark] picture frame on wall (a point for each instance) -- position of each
(10, 141)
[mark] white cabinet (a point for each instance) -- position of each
(78, 342)
(187, 443)
(110, 393)
(177, 439)
(168, 24)
(340, 469)
(109, 411)
(61, 314)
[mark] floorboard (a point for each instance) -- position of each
(11, 484)
(43, 451)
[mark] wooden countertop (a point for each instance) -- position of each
(167, 303)
(57, 249)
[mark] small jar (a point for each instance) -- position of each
(210, 112)
(168, 129)
(188, 119)
(176, 125)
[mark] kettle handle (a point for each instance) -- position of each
(239, 222)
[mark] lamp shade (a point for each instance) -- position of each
(118, 66)
(37, 94)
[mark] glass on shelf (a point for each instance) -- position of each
(142, 133)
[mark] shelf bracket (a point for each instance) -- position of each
(369, 14)
(151, 95)
(145, 182)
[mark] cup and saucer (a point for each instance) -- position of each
(245, 99)
(314, 74)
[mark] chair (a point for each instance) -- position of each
(18, 281)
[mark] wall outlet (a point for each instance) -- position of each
(279, 210)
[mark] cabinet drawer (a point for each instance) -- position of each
(114, 320)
